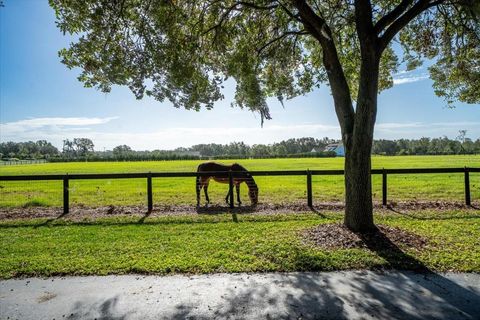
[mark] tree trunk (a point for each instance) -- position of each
(358, 186)
(356, 124)
(358, 148)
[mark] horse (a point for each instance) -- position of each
(241, 175)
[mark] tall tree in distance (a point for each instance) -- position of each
(183, 51)
(83, 146)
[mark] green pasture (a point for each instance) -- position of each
(222, 243)
(431, 187)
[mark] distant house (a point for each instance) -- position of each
(314, 150)
(337, 148)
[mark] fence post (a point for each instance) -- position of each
(467, 187)
(66, 199)
(149, 192)
(384, 187)
(309, 188)
(230, 190)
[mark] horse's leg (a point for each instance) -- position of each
(205, 188)
(227, 196)
(237, 187)
(198, 188)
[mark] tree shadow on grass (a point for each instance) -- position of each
(49, 221)
(317, 212)
(217, 209)
(145, 216)
(439, 216)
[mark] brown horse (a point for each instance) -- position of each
(241, 175)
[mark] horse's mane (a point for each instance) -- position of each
(250, 182)
(238, 167)
(215, 166)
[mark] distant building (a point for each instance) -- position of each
(337, 148)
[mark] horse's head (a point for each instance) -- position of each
(253, 193)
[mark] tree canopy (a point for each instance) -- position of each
(183, 51)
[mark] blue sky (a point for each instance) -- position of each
(41, 99)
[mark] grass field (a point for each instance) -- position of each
(215, 243)
(431, 187)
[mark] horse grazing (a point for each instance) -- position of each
(241, 175)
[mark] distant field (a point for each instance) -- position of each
(431, 187)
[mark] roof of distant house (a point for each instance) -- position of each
(333, 146)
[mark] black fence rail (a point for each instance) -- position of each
(231, 174)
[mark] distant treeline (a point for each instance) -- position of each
(426, 146)
(82, 149)
(41, 149)
(171, 155)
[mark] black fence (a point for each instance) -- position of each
(231, 174)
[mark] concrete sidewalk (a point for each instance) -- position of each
(332, 295)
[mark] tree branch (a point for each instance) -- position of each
(364, 24)
(289, 13)
(313, 22)
(404, 19)
(317, 26)
(390, 17)
(259, 51)
(257, 7)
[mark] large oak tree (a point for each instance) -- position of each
(183, 51)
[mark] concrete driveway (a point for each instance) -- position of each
(332, 295)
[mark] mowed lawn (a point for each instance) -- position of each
(171, 191)
(222, 243)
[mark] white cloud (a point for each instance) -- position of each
(167, 138)
(17, 127)
(29, 124)
(54, 129)
(409, 125)
(170, 138)
(395, 125)
(58, 129)
(405, 78)
(413, 130)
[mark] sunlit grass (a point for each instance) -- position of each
(206, 243)
(431, 187)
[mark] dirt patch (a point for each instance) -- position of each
(426, 205)
(384, 238)
(81, 212)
